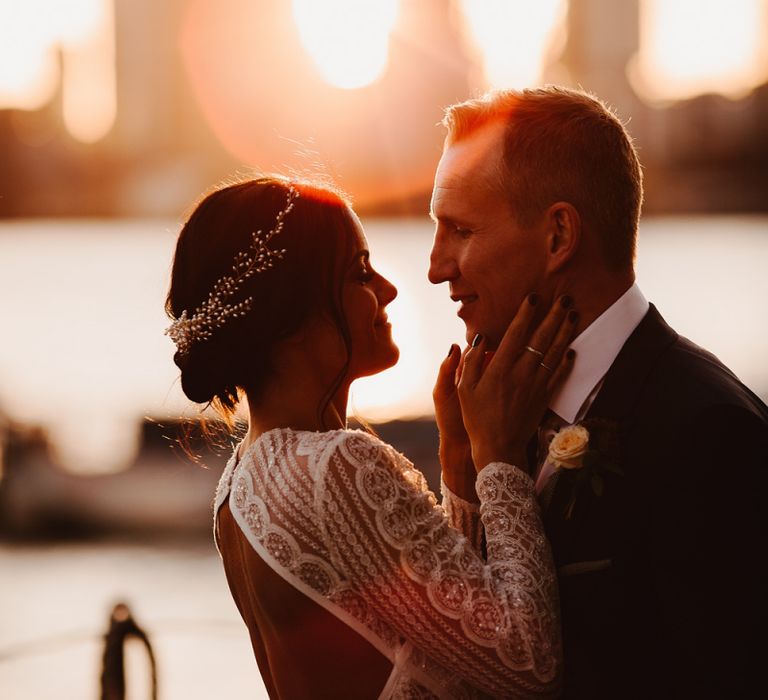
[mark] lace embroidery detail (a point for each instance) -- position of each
(463, 516)
(351, 520)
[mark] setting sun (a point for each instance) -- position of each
(512, 37)
(347, 39)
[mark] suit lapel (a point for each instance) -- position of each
(629, 371)
(614, 402)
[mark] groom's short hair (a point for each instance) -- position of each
(563, 145)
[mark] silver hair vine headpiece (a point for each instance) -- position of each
(216, 310)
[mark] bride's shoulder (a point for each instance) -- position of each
(355, 447)
(346, 439)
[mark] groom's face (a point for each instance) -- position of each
(489, 261)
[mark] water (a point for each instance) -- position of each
(54, 607)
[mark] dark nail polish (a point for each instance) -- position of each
(573, 316)
(477, 340)
(450, 350)
(570, 354)
(566, 301)
(533, 299)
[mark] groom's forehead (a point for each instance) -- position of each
(466, 179)
(472, 155)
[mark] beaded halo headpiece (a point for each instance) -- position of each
(216, 310)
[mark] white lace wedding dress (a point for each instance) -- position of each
(348, 521)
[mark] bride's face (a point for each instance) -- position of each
(365, 297)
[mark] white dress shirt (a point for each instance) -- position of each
(596, 349)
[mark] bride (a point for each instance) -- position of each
(352, 580)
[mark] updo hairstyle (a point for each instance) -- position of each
(319, 239)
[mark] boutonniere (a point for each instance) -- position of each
(586, 453)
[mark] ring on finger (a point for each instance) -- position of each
(536, 352)
(547, 367)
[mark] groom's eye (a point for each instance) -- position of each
(463, 232)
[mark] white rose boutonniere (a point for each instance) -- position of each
(568, 447)
(588, 455)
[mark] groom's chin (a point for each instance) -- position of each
(491, 341)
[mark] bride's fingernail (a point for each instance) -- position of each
(570, 354)
(477, 340)
(533, 299)
(573, 316)
(566, 301)
(450, 350)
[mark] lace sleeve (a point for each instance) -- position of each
(463, 516)
(492, 624)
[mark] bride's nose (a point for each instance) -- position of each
(387, 292)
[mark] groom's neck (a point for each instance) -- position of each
(594, 293)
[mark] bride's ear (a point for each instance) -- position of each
(563, 234)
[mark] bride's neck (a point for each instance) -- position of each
(294, 400)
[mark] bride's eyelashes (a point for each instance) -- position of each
(365, 273)
(361, 271)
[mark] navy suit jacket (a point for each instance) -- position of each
(661, 577)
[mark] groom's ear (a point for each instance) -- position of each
(563, 231)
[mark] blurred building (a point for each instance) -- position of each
(705, 154)
(157, 155)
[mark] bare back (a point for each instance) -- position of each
(302, 650)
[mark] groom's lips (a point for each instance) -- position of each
(464, 300)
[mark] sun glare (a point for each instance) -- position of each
(512, 37)
(689, 47)
(45, 44)
(28, 67)
(348, 40)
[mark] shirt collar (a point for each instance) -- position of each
(596, 348)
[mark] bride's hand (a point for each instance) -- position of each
(503, 401)
(455, 453)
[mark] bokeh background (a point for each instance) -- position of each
(117, 115)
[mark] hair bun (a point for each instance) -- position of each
(202, 375)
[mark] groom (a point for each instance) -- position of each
(658, 532)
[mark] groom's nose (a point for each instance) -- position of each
(442, 265)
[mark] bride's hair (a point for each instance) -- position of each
(318, 237)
